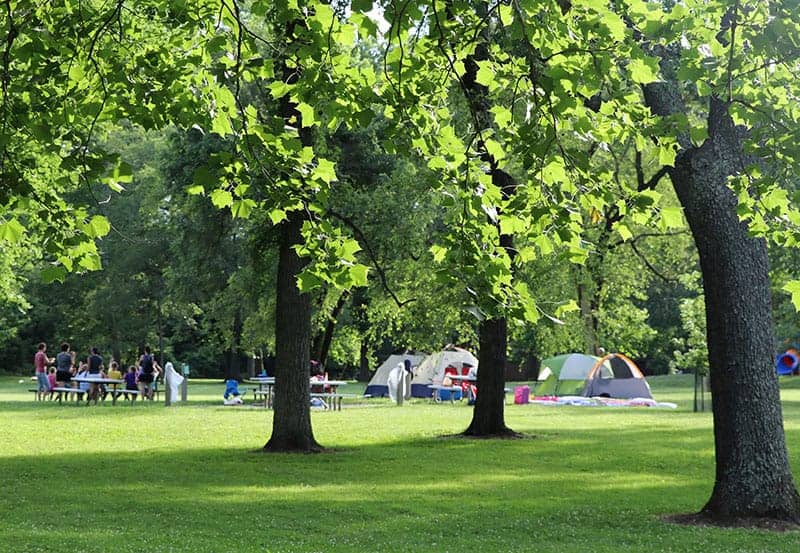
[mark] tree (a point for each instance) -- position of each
(753, 476)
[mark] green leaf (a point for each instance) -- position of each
(221, 198)
(306, 115)
(243, 208)
(506, 15)
(12, 231)
(623, 231)
(325, 171)
(672, 217)
(307, 282)
(91, 262)
(358, 274)
(485, 75)
(98, 226)
(54, 273)
(643, 71)
(793, 287)
(277, 215)
(667, 154)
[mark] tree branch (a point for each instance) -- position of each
(371, 254)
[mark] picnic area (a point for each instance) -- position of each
(188, 478)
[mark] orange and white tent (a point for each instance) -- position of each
(625, 380)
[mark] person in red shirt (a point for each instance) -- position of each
(40, 362)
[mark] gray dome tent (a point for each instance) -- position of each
(626, 382)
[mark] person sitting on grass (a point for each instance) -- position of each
(232, 395)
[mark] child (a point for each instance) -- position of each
(83, 372)
(130, 381)
(232, 395)
(51, 380)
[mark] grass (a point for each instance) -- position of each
(149, 479)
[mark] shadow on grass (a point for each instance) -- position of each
(575, 489)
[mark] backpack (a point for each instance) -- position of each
(147, 363)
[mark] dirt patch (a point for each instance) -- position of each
(748, 523)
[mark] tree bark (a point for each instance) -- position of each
(291, 424)
(363, 361)
(488, 417)
(753, 476)
(322, 343)
(233, 369)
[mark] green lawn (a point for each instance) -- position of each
(146, 478)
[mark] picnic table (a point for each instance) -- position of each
(113, 382)
(328, 389)
(265, 385)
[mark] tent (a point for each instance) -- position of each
(565, 375)
(625, 382)
(432, 368)
(378, 386)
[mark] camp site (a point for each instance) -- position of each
(419, 276)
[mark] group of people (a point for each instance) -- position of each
(59, 372)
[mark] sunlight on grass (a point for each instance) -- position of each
(145, 478)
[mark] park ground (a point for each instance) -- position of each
(146, 478)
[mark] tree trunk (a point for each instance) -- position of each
(291, 424)
(363, 361)
(488, 416)
(753, 477)
(588, 302)
(322, 343)
(233, 369)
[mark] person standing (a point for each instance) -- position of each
(40, 362)
(147, 373)
(95, 367)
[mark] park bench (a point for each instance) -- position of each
(64, 390)
(333, 401)
(262, 395)
(122, 392)
(438, 387)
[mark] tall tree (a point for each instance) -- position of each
(753, 475)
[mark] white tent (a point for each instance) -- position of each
(432, 369)
(378, 386)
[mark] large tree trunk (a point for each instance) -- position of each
(488, 416)
(233, 368)
(322, 342)
(753, 477)
(291, 424)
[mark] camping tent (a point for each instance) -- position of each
(378, 386)
(432, 368)
(625, 382)
(566, 374)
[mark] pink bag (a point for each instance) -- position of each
(522, 394)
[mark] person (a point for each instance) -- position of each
(130, 381)
(85, 387)
(232, 395)
(51, 381)
(149, 370)
(65, 362)
(95, 370)
(113, 373)
(40, 362)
